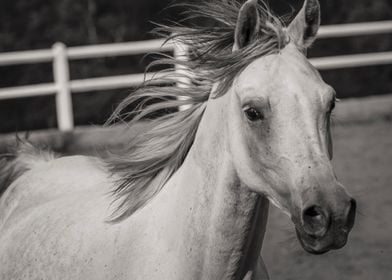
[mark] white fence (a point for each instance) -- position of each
(63, 87)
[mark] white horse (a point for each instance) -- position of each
(188, 197)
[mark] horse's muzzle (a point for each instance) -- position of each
(320, 230)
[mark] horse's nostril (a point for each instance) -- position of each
(312, 212)
(315, 221)
(351, 213)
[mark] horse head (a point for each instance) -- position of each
(279, 130)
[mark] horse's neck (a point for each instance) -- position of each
(223, 221)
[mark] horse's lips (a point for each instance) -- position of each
(318, 246)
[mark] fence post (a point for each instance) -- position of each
(63, 95)
(181, 53)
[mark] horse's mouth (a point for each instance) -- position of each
(318, 246)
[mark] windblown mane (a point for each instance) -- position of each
(159, 148)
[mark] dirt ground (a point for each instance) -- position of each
(363, 163)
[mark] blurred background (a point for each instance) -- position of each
(362, 131)
(38, 24)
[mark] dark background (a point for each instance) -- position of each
(38, 24)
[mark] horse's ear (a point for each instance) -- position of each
(248, 25)
(303, 29)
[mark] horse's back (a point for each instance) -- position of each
(51, 181)
(63, 200)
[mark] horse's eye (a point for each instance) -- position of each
(332, 105)
(253, 115)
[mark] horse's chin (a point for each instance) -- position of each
(319, 246)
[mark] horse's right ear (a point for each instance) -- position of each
(303, 29)
(248, 25)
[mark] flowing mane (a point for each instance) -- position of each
(159, 148)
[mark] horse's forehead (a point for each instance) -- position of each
(288, 69)
(295, 64)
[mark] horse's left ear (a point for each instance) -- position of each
(248, 25)
(303, 29)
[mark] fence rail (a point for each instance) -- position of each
(349, 61)
(63, 87)
(355, 29)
